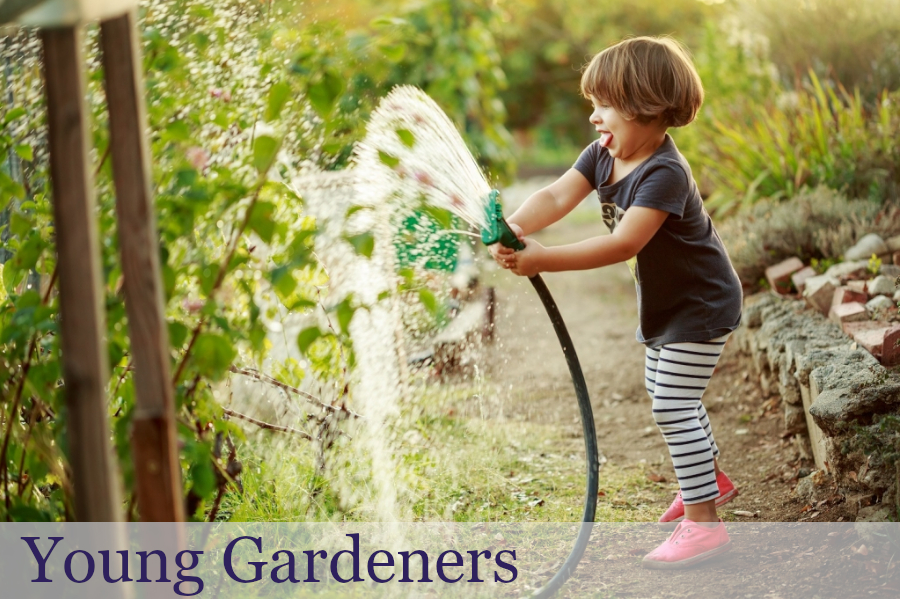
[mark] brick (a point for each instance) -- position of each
(845, 294)
(779, 276)
(819, 292)
(853, 328)
(856, 286)
(799, 278)
(851, 311)
(816, 435)
(870, 335)
(890, 352)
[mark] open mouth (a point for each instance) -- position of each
(605, 139)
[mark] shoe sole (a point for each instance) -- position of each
(683, 564)
(723, 499)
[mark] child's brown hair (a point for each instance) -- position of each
(644, 78)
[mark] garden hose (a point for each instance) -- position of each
(499, 231)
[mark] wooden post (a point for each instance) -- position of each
(84, 357)
(154, 449)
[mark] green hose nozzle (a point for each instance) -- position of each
(498, 229)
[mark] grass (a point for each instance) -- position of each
(454, 466)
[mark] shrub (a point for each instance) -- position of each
(816, 224)
(815, 136)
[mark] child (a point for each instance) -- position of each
(689, 296)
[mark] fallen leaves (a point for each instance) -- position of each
(656, 477)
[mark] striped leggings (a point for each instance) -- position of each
(677, 376)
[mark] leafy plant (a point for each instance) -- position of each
(817, 135)
(821, 265)
(447, 48)
(228, 120)
(874, 265)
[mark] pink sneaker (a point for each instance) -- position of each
(675, 512)
(689, 544)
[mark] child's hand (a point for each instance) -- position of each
(527, 261)
(506, 257)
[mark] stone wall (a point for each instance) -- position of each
(840, 404)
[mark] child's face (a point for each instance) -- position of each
(624, 138)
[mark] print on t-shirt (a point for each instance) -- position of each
(612, 214)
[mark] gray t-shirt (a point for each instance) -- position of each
(687, 289)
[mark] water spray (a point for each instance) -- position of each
(413, 153)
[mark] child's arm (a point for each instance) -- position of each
(637, 227)
(552, 203)
(545, 207)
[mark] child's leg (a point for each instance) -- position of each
(682, 372)
(650, 364)
(707, 427)
(650, 368)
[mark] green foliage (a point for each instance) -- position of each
(821, 265)
(228, 120)
(874, 265)
(817, 226)
(544, 46)
(448, 48)
(815, 136)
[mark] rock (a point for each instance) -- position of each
(804, 490)
(753, 307)
(892, 271)
(873, 524)
(879, 303)
(799, 278)
(848, 269)
(794, 418)
(893, 243)
(881, 285)
(834, 408)
(817, 483)
(820, 291)
(779, 276)
(867, 246)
